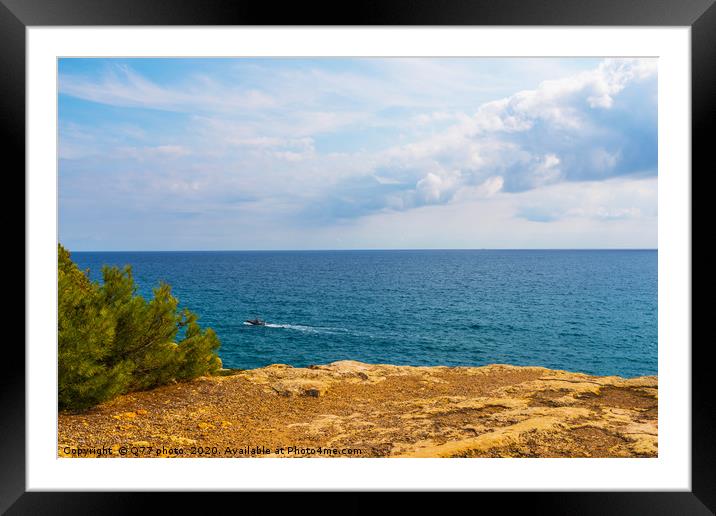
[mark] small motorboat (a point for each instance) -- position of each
(255, 322)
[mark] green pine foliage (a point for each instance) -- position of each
(112, 341)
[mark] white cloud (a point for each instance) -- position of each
(547, 171)
(488, 188)
(559, 101)
(435, 188)
(618, 198)
(122, 86)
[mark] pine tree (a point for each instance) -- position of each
(197, 349)
(85, 334)
(113, 341)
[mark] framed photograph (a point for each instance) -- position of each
(446, 249)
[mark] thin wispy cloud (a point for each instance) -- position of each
(121, 86)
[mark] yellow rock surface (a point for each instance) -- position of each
(384, 411)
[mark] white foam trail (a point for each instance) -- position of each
(290, 327)
(300, 327)
(286, 326)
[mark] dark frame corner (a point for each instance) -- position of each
(700, 15)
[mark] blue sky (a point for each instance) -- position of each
(334, 153)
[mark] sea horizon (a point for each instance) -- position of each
(366, 249)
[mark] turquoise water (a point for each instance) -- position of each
(588, 311)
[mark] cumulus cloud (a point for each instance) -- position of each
(434, 188)
(558, 132)
(561, 102)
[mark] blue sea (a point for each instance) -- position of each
(588, 311)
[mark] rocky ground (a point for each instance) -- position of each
(351, 409)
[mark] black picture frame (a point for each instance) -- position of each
(700, 15)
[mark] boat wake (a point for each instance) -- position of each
(303, 328)
(297, 327)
